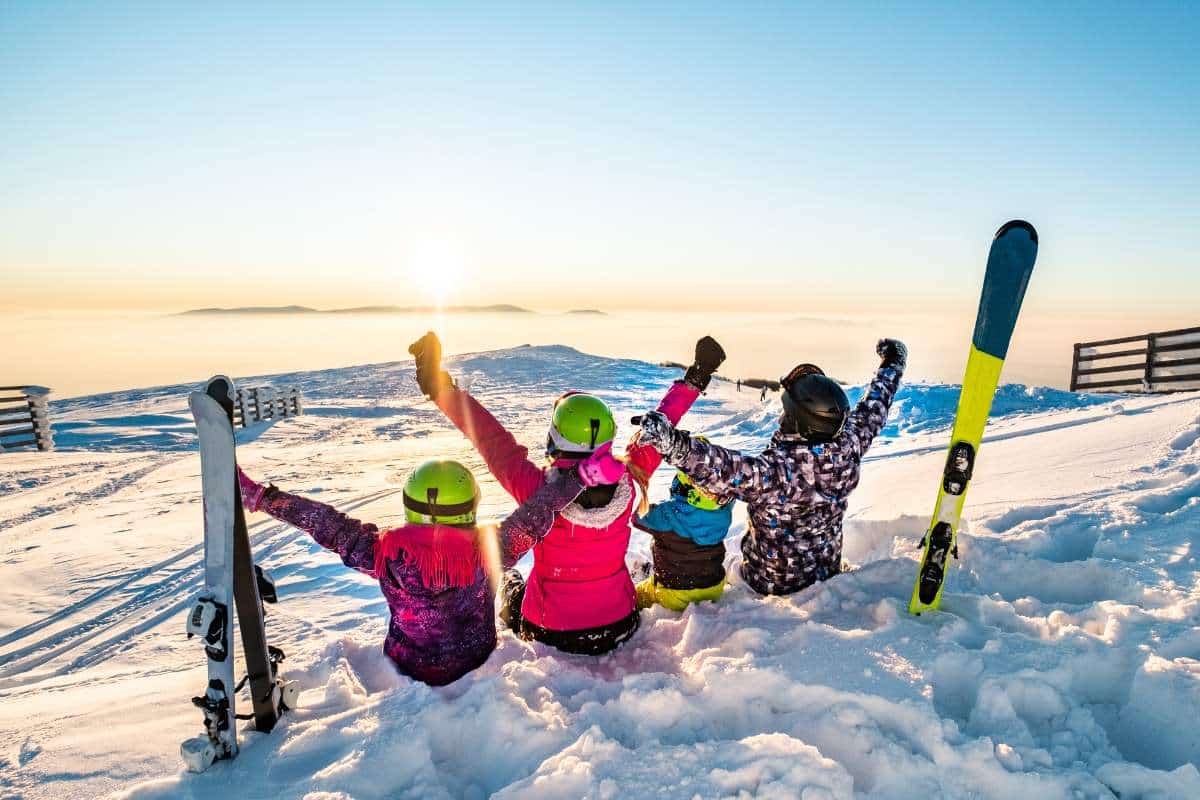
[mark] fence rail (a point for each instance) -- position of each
(1165, 361)
(24, 418)
(266, 403)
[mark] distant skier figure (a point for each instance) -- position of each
(796, 490)
(688, 550)
(579, 596)
(762, 396)
(434, 570)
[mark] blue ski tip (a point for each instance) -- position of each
(1017, 223)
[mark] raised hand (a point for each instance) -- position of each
(430, 376)
(656, 430)
(892, 352)
(709, 356)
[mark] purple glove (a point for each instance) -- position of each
(252, 493)
(601, 468)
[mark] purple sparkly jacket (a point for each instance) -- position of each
(435, 635)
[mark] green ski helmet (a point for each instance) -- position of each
(581, 423)
(444, 492)
(693, 494)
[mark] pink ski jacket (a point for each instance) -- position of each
(579, 578)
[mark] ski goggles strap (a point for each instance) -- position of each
(695, 497)
(799, 372)
(432, 508)
(557, 444)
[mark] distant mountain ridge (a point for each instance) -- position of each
(497, 308)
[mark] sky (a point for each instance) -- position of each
(823, 157)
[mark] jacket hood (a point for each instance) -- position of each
(603, 516)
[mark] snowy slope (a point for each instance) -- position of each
(1066, 662)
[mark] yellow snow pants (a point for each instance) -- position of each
(649, 593)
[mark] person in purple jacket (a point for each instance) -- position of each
(439, 570)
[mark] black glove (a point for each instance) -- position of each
(430, 376)
(709, 356)
(892, 352)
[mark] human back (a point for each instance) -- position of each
(579, 595)
(801, 520)
(797, 489)
(579, 578)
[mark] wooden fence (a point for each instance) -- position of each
(24, 419)
(1166, 361)
(266, 403)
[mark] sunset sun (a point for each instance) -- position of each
(434, 273)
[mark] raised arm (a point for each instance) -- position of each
(351, 539)
(507, 460)
(680, 397)
(530, 523)
(870, 415)
(724, 473)
(505, 457)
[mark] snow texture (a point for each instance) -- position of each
(1065, 662)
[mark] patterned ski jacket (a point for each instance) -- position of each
(436, 634)
(796, 492)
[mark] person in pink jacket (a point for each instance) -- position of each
(579, 596)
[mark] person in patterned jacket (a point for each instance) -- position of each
(796, 490)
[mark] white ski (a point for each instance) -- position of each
(211, 618)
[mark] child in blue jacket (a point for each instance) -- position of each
(689, 532)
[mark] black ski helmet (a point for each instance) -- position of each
(814, 406)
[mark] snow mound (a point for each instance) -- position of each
(1066, 661)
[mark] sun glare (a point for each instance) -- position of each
(434, 272)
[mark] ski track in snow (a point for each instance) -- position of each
(1065, 662)
(168, 595)
(70, 498)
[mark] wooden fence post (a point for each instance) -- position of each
(240, 407)
(1148, 378)
(40, 415)
(1075, 367)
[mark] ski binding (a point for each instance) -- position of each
(200, 752)
(959, 466)
(935, 562)
(207, 621)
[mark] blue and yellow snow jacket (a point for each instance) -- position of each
(689, 542)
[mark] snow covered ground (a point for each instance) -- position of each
(1066, 662)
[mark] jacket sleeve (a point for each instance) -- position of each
(507, 460)
(870, 415)
(726, 474)
(532, 520)
(354, 541)
(677, 401)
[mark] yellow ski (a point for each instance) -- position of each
(1010, 263)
